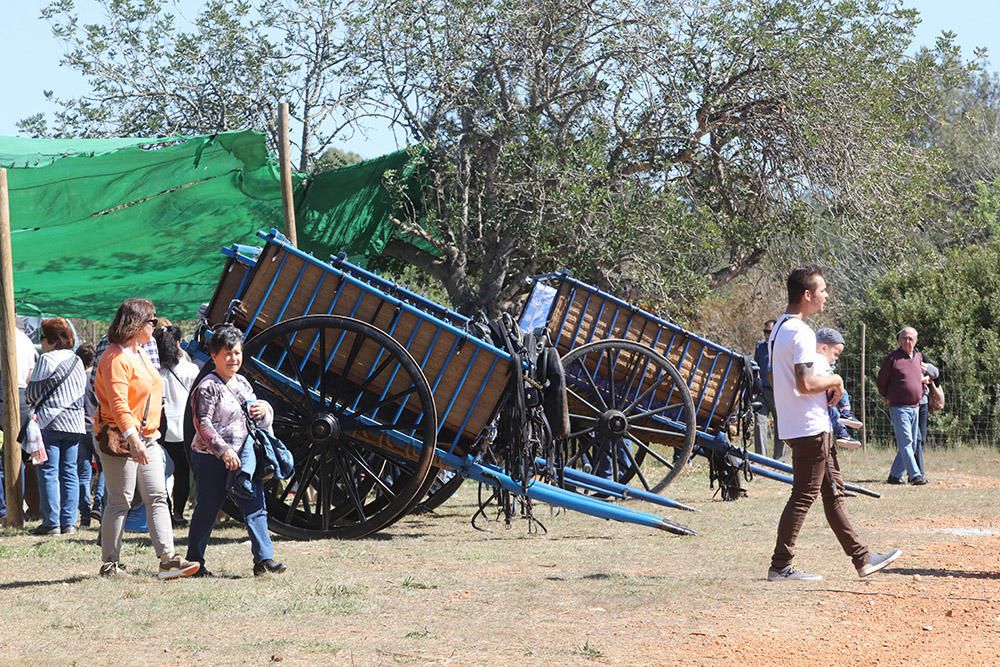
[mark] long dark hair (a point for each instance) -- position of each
(167, 339)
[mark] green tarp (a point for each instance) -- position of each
(96, 221)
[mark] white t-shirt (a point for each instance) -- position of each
(26, 356)
(799, 415)
(176, 386)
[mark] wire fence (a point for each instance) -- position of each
(969, 418)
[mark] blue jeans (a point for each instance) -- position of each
(841, 409)
(58, 483)
(11, 440)
(906, 425)
(919, 453)
(85, 471)
(210, 476)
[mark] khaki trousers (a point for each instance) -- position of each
(121, 476)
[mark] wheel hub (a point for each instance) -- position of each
(324, 429)
(612, 423)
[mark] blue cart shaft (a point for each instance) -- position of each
(546, 493)
(613, 488)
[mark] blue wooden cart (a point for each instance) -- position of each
(375, 389)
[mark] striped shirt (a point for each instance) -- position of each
(63, 409)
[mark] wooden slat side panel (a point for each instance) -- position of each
(590, 319)
(225, 291)
(434, 348)
(560, 334)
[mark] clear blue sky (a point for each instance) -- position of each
(32, 55)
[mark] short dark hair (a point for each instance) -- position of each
(167, 338)
(86, 352)
(131, 317)
(225, 337)
(59, 333)
(802, 280)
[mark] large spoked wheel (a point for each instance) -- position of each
(357, 413)
(445, 485)
(631, 414)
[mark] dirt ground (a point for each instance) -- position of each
(432, 590)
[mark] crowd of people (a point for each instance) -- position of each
(111, 425)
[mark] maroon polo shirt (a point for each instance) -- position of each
(901, 379)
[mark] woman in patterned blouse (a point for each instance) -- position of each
(221, 432)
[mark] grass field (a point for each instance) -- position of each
(433, 590)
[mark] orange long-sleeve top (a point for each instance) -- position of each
(123, 382)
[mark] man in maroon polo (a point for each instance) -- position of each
(900, 381)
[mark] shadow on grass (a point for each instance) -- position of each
(604, 576)
(384, 537)
(144, 539)
(75, 579)
(941, 572)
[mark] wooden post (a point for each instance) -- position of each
(8, 367)
(287, 199)
(864, 421)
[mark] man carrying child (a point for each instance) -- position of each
(802, 396)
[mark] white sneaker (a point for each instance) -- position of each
(878, 561)
(789, 573)
(176, 567)
(850, 422)
(848, 443)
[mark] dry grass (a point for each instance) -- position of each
(432, 589)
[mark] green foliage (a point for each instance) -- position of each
(589, 651)
(660, 150)
(954, 304)
(413, 584)
(335, 158)
(657, 149)
(154, 71)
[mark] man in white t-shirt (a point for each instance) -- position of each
(801, 397)
(24, 351)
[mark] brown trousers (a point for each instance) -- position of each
(815, 471)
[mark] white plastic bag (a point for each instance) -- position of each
(33, 444)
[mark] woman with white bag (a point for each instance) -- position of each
(55, 392)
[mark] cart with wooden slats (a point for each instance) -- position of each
(374, 389)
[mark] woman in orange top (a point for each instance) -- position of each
(129, 400)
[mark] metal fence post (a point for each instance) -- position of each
(864, 420)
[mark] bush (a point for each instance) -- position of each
(955, 306)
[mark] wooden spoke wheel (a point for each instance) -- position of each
(631, 414)
(358, 415)
(440, 491)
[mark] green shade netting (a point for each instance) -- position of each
(347, 209)
(96, 221)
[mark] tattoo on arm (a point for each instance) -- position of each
(803, 370)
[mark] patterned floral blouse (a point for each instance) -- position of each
(218, 414)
